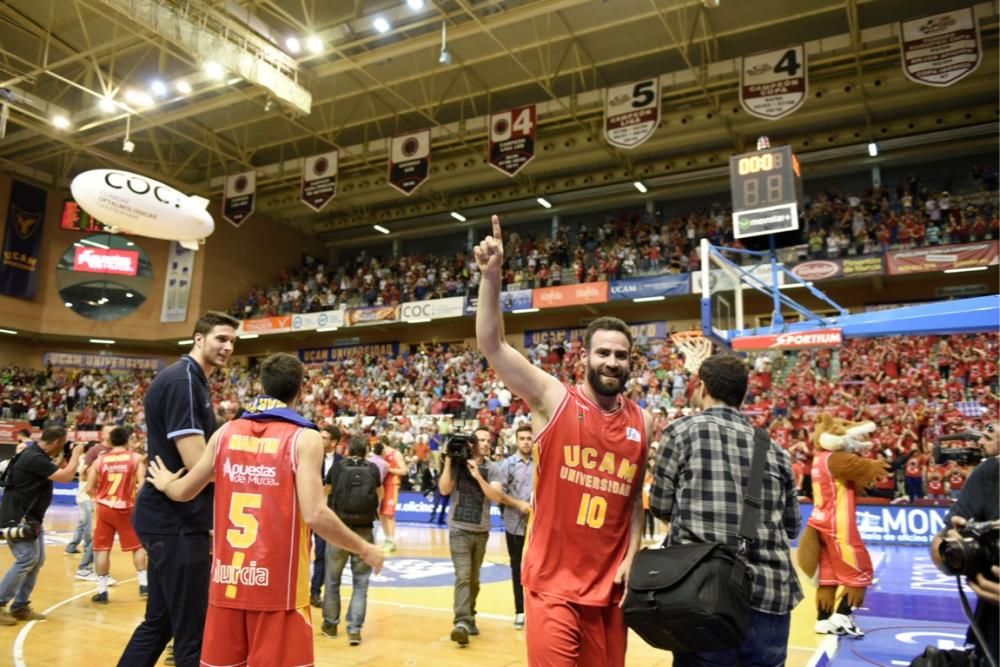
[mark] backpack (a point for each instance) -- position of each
(355, 495)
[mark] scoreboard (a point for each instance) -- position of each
(766, 188)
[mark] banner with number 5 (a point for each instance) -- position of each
(512, 139)
(631, 112)
(773, 84)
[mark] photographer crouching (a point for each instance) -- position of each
(27, 495)
(968, 547)
(468, 522)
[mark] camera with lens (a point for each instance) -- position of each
(459, 448)
(22, 532)
(960, 453)
(974, 551)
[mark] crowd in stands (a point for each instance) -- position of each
(635, 244)
(913, 388)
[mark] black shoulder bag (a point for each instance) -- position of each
(26, 529)
(696, 597)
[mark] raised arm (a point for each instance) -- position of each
(540, 391)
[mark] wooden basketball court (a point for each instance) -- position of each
(408, 619)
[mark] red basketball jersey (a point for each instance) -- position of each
(116, 478)
(261, 543)
(589, 470)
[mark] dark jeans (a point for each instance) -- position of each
(515, 547)
(439, 502)
(467, 552)
(360, 573)
(319, 565)
(179, 571)
(766, 645)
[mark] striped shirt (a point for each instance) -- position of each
(698, 485)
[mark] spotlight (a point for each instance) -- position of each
(415, 4)
(128, 146)
(641, 187)
(445, 57)
(293, 45)
(315, 45)
(872, 149)
(380, 228)
(107, 105)
(61, 122)
(458, 216)
(381, 24)
(545, 203)
(159, 88)
(183, 87)
(213, 69)
(138, 98)
(269, 104)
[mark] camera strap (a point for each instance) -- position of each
(752, 495)
(984, 646)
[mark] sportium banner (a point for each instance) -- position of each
(801, 340)
(773, 84)
(319, 180)
(409, 161)
(512, 139)
(570, 295)
(631, 112)
(942, 258)
(941, 49)
(239, 198)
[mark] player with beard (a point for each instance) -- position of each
(586, 516)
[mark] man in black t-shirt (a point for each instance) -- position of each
(179, 420)
(27, 496)
(979, 501)
(336, 557)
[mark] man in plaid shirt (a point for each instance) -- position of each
(699, 479)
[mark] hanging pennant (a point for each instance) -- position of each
(409, 161)
(512, 139)
(773, 84)
(631, 112)
(239, 198)
(941, 49)
(319, 180)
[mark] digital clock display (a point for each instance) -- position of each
(766, 187)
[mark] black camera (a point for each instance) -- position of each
(459, 448)
(974, 552)
(959, 453)
(22, 532)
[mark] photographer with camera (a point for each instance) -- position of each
(468, 521)
(968, 546)
(27, 495)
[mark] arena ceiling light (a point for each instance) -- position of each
(183, 87)
(60, 122)
(314, 44)
(185, 342)
(293, 45)
(872, 149)
(158, 88)
(381, 24)
(107, 104)
(458, 216)
(214, 70)
(9, 332)
(102, 341)
(380, 228)
(544, 202)
(139, 98)
(641, 187)
(415, 5)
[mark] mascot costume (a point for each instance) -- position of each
(831, 552)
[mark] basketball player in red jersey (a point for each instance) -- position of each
(258, 604)
(387, 508)
(586, 517)
(116, 476)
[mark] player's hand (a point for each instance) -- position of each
(986, 589)
(159, 476)
(523, 507)
(374, 557)
(489, 252)
(621, 576)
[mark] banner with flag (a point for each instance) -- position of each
(409, 161)
(319, 180)
(22, 241)
(239, 198)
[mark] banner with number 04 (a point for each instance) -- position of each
(512, 139)
(773, 84)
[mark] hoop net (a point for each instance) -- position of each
(695, 346)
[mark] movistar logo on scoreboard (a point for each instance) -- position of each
(770, 220)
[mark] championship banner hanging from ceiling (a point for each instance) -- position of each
(22, 241)
(631, 112)
(773, 84)
(239, 198)
(409, 161)
(512, 139)
(319, 180)
(941, 49)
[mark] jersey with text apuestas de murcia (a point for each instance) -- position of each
(260, 559)
(589, 470)
(116, 479)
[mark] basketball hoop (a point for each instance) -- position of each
(695, 346)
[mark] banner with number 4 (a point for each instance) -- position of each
(773, 84)
(512, 139)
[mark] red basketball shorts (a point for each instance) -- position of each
(388, 506)
(109, 522)
(240, 637)
(566, 634)
(844, 564)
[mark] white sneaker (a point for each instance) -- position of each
(112, 581)
(519, 622)
(86, 575)
(839, 624)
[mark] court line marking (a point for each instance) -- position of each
(22, 636)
